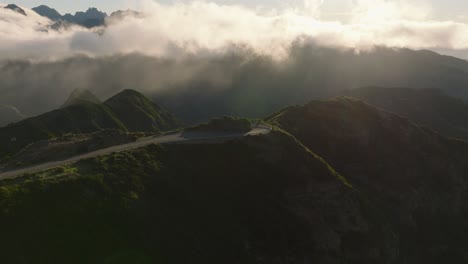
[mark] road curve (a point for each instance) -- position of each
(172, 138)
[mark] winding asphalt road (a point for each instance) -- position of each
(173, 138)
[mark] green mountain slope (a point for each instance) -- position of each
(138, 113)
(83, 118)
(87, 117)
(263, 199)
(416, 177)
(428, 107)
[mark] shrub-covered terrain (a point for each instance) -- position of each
(262, 199)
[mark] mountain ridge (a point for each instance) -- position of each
(90, 18)
(428, 107)
(414, 176)
(48, 12)
(87, 117)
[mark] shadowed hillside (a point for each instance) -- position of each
(262, 199)
(429, 107)
(416, 177)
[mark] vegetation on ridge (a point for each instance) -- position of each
(127, 111)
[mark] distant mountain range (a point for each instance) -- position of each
(259, 85)
(91, 18)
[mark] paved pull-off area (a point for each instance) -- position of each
(173, 138)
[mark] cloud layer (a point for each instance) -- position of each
(202, 59)
(201, 27)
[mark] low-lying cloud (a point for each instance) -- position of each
(201, 27)
(202, 59)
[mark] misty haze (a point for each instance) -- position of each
(303, 131)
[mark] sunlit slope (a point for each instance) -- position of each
(128, 111)
(139, 113)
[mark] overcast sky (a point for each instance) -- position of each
(439, 10)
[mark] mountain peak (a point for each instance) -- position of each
(130, 92)
(140, 113)
(92, 12)
(81, 96)
(16, 8)
(124, 13)
(91, 18)
(48, 12)
(128, 95)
